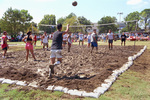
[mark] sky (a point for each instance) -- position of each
(93, 10)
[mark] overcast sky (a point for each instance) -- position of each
(93, 10)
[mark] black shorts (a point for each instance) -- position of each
(5, 48)
(123, 40)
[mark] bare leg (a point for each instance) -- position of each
(51, 66)
(52, 61)
(32, 54)
(111, 46)
(27, 55)
(124, 43)
(121, 43)
(82, 43)
(5, 51)
(47, 46)
(59, 59)
(92, 49)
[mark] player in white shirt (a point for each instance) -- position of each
(45, 40)
(64, 40)
(89, 39)
(94, 38)
(110, 37)
(81, 38)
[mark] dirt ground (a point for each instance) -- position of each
(80, 69)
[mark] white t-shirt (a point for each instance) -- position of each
(92, 37)
(89, 37)
(81, 36)
(65, 37)
(45, 39)
(110, 36)
(69, 39)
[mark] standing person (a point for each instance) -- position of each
(56, 46)
(29, 45)
(41, 39)
(4, 44)
(35, 39)
(81, 38)
(110, 37)
(123, 39)
(89, 40)
(64, 40)
(94, 38)
(45, 40)
(69, 42)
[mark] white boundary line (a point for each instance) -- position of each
(96, 92)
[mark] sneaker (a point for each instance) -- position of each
(3, 57)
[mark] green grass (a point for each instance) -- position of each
(129, 86)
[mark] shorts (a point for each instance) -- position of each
(64, 42)
(45, 44)
(93, 44)
(80, 40)
(89, 41)
(5, 48)
(110, 41)
(29, 46)
(123, 40)
(56, 54)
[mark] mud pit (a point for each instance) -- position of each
(80, 69)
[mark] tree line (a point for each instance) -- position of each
(14, 21)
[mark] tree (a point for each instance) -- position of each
(145, 17)
(71, 15)
(49, 20)
(73, 22)
(84, 21)
(61, 20)
(25, 20)
(131, 26)
(106, 20)
(14, 21)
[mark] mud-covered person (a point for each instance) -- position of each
(56, 47)
(69, 41)
(4, 44)
(110, 37)
(29, 45)
(94, 38)
(64, 40)
(45, 40)
(81, 38)
(123, 39)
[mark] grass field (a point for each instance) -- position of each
(130, 85)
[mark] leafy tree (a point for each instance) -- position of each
(106, 20)
(71, 15)
(131, 26)
(84, 21)
(61, 20)
(145, 17)
(14, 21)
(73, 22)
(49, 20)
(25, 20)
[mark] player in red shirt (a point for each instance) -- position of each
(4, 44)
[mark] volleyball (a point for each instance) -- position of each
(74, 3)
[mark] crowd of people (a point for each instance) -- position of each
(59, 40)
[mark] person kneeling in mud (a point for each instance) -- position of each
(56, 47)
